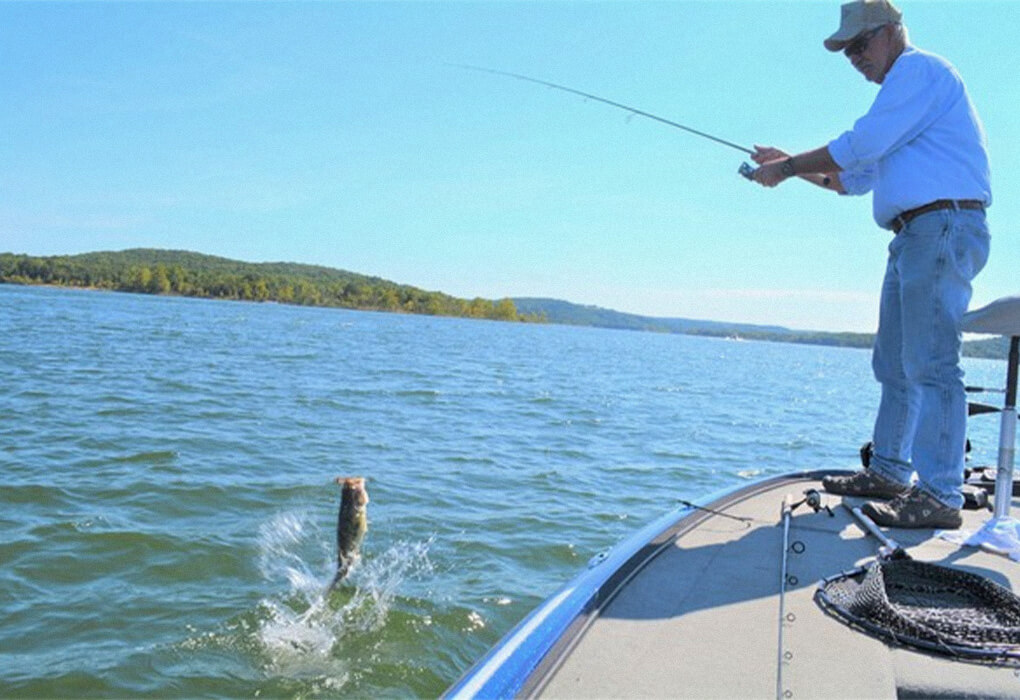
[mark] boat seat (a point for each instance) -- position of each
(1001, 317)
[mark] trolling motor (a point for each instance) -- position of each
(746, 169)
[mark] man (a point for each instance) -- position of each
(920, 150)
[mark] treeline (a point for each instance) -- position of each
(558, 311)
(836, 340)
(182, 273)
(565, 312)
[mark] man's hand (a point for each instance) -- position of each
(771, 161)
(763, 154)
(771, 173)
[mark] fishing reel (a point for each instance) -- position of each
(747, 170)
(813, 500)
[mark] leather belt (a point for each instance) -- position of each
(900, 221)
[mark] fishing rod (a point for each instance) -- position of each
(745, 168)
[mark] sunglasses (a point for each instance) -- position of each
(860, 44)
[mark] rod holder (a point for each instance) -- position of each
(1007, 436)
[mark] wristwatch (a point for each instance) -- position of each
(787, 167)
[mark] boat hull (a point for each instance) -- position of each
(696, 604)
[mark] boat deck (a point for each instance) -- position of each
(702, 617)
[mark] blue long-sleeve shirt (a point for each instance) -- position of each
(921, 141)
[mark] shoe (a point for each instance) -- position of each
(914, 509)
(866, 483)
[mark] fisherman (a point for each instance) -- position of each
(921, 151)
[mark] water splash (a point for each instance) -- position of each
(287, 544)
(307, 630)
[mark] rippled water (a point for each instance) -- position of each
(167, 510)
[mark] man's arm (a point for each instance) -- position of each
(817, 167)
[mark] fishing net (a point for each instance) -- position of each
(935, 608)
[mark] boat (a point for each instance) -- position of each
(769, 590)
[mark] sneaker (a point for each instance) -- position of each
(866, 483)
(914, 509)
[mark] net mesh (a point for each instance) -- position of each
(933, 607)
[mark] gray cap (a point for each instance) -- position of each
(860, 16)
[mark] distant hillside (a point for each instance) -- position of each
(557, 311)
(990, 348)
(184, 273)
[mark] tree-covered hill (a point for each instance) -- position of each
(564, 312)
(151, 271)
(183, 273)
(558, 311)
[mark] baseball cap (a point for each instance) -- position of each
(860, 16)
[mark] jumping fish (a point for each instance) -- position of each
(351, 524)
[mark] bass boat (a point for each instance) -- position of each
(779, 589)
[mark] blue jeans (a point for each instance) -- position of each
(922, 417)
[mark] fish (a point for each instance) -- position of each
(351, 525)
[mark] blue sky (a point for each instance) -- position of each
(339, 134)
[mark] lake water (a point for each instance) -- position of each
(167, 506)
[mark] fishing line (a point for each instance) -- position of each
(612, 103)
